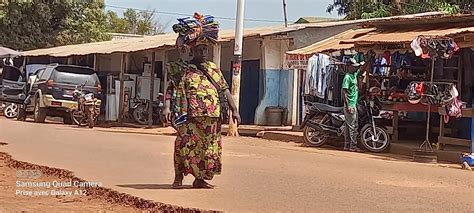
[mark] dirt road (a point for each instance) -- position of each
(258, 175)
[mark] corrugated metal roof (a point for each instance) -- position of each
(420, 19)
(168, 40)
(312, 19)
(406, 36)
(331, 44)
(165, 40)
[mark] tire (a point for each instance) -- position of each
(90, 118)
(313, 137)
(381, 145)
(159, 118)
(79, 121)
(21, 115)
(10, 111)
(39, 114)
(139, 116)
(68, 119)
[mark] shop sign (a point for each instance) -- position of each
(297, 61)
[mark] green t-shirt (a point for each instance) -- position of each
(350, 84)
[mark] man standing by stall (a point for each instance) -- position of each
(350, 94)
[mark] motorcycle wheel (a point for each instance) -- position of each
(314, 137)
(10, 111)
(78, 118)
(140, 115)
(377, 146)
(90, 118)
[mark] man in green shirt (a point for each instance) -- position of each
(350, 94)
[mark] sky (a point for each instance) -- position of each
(267, 10)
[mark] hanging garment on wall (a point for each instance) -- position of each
(330, 82)
(322, 73)
(316, 75)
(380, 66)
(309, 76)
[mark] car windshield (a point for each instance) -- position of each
(75, 77)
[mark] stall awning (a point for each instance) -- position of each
(331, 44)
(399, 36)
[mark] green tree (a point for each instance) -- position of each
(135, 22)
(357, 9)
(116, 24)
(85, 23)
(38, 24)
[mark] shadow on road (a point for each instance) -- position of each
(153, 186)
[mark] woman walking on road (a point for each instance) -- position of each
(196, 103)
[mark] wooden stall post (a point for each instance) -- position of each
(152, 90)
(395, 127)
(122, 88)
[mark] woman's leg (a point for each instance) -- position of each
(178, 161)
(210, 151)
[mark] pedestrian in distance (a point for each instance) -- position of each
(350, 94)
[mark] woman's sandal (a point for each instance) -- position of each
(178, 183)
(201, 184)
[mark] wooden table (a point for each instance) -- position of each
(396, 107)
(442, 140)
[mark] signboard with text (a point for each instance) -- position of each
(297, 61)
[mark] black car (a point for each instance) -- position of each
(51, 93)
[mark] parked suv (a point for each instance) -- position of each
(51, 93)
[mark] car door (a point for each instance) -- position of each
(13, 84)
(32, 79)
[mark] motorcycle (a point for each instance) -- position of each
(88, 108)
(140, 112)
(324, 122)
(10, 110)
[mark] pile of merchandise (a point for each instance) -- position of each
(428, 47)
(195, 29)
(433, 93)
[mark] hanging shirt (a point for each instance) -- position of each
(324, 61)
(309, 77)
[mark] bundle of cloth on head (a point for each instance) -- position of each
(196, 29)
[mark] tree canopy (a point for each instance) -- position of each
(134, 22)
(363, 9)
(37, 24)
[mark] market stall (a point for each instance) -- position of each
(398, 66)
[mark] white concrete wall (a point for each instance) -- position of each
(278, 80)
(251, 51)
(110, 63)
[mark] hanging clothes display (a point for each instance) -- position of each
(316, 75)
(323, 79)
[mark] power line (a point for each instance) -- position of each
(183, 14)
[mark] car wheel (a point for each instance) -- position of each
(68, 119)
(21, 114)
(10, 111)
(39, 112)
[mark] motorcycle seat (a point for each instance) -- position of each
(327, 108)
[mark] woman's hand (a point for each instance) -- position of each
(236, 117)
(167, 115)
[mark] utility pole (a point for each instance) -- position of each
(237, 66)
(285, 13)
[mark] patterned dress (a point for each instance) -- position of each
(198, 146)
